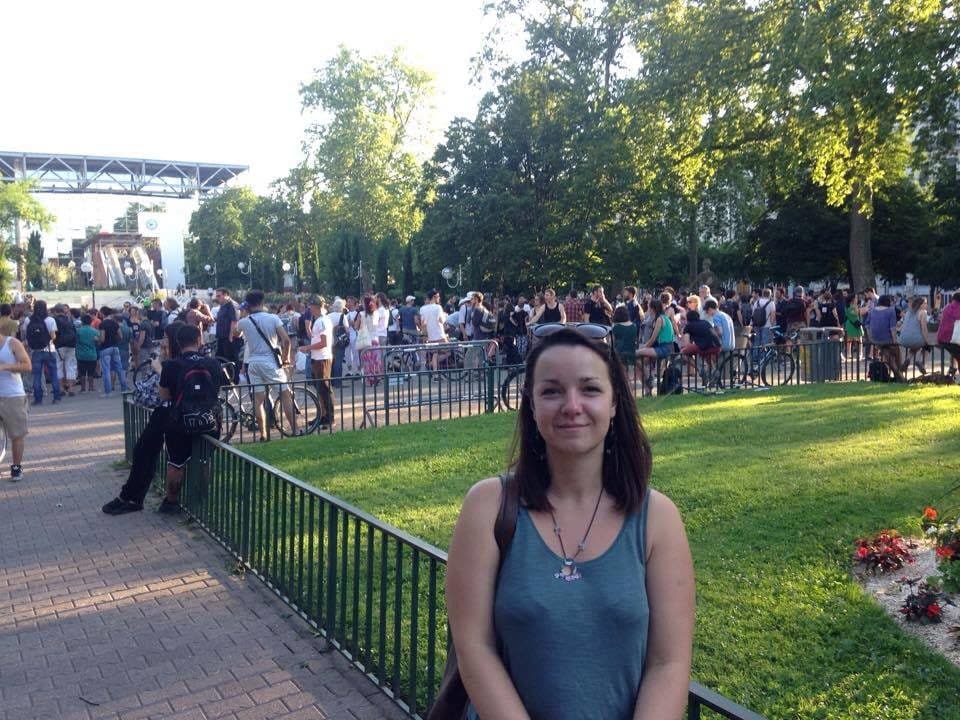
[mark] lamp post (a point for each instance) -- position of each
(72, 265)
(454, 278)
(212, 271)
(87, 269)
(160, 274)
(290, 267)
(245, 268)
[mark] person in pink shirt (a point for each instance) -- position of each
(950, 316)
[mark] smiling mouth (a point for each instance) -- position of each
(571, 427)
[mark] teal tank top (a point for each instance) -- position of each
(666, 331)
(574, 650)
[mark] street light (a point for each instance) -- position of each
(87, 269)
(449, 275)
(288, 268)
(160, 275)
(211, 270)
(245, 268)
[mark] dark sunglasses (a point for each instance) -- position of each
(591, 331)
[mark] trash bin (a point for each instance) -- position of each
(820, 354)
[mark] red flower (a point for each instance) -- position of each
(945, 552)
(933, 610)
(929, 513)
(862, 552)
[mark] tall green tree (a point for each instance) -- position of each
(842, 93)
(361, 171)
(17, 207)
(33, 259)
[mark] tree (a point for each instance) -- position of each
(360, 171)
(34, 260)
(836, 92)
(17, 206)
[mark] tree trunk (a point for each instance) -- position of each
(861, 257)
(693, 244)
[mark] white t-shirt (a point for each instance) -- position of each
(433, 317)
(258, 350)
(383, 322)
(322, 327)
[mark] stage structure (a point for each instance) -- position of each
(83, 174)
(116, 176)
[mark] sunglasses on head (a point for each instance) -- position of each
(591, 331)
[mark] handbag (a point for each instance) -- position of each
(452, 700)
(955, 335)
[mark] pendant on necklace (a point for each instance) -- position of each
(568, 572)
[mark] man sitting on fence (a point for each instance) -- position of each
(191, 384)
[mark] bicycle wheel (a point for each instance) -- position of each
(732, 371)
(777, 369)
(306, 408)
(229, 419)
(512, 387)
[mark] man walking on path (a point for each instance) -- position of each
(13, 399)
(110, 352)
(321, 358)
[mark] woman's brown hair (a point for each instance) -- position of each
(627, 458)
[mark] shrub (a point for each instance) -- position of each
(944, 529)
(926, 600)
(883, 552)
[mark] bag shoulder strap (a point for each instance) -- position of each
(506, 523)
(257, 327)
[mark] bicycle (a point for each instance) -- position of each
(238, 409)
(774, 366)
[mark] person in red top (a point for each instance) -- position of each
(948, 320)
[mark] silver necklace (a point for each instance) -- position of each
(569, 571)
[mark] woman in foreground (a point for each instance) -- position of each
(591, 613)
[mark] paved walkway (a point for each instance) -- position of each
(138, 616)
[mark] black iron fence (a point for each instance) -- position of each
(409, 390)
(373, 591)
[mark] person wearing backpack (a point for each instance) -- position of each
(191, 384)
(40, 333)
(66, 347)
(110, 352)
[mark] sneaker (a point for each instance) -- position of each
(16, 472)
(169, 507)
(119, 506)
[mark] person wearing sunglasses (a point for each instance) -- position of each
(589, 612)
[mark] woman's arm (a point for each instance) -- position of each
(472, 567)
(563, 312)
(670, 594)
(535, 316)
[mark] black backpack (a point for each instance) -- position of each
(759, 317)
(671, 383)
(38, 336)
(878, 371)
(66, 332)
(195, 408)
(732, 308)
(341, 335)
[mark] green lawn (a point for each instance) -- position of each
(773, 486)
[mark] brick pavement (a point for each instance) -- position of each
(139, 616)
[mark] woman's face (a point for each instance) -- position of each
(549, 296)
(573, 401)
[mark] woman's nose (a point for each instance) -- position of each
(572, 402)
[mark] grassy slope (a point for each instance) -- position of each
(773, 488)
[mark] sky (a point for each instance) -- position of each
(206, 80)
